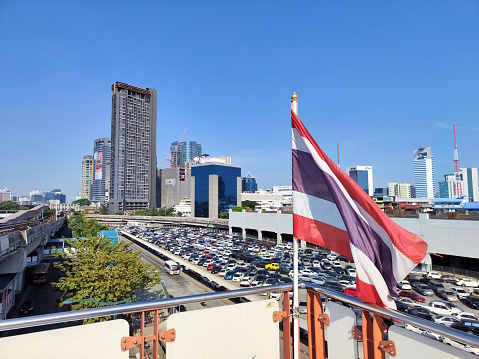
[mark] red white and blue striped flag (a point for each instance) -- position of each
(332, 211)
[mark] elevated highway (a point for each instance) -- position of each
(158, 221)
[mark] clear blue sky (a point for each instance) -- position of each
(381, 78)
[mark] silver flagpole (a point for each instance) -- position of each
(294, 108)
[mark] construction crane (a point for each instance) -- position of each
(173, 155)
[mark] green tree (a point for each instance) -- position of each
(84, 227)
(11, 206)
(82, 202)
(224, 215)
(249, 204)
(98, 271)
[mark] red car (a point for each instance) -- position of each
(210, 267)
(413, 296)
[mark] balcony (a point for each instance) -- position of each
(337, 327)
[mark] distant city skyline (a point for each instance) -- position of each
(380, 79)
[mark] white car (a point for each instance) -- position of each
(332, 256)
(439, 308)
(467, 282)
(409, 301)
(222, 272)
(231, 266)
(245, 282)
(316, 264)
(434, 275)
(308, 271)
(316, 279)
(460, 292)
(336, 265)
(404, 285)
(466, 315)
(351, 272)
(446, 320)
(455, 344)
(304, 277)
(275, 295)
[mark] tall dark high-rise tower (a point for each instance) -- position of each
(133, 148)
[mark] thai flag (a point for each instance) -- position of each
(332, 211)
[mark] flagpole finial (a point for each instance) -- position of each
(294, 103)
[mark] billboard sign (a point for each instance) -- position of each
(170, 182)
(97, 158)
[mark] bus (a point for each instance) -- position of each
(41, 271)
(172, 267)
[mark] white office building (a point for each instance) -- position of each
(424, 173)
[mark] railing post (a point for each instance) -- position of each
(367, 335)
(377, 336)
(142, 335)
(286, 327)
(316, 343)
(155, 334)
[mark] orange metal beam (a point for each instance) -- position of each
(286, 328)
(316, 321)
(378, 336)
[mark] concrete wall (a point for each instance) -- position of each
(213, 196)
(452, 237)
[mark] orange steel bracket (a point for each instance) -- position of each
(316, 322)
(167, 335)
(279, 315)
(357, 333)
(388, 346)
(367, 335)
(130, 342)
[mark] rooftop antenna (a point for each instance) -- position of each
(457, 172)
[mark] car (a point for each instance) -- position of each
(446, 320)
(424, 289)
(434, 275)
(469, 326)
(245, 282)
(404, 284)
(316, 279)
(473, 301)
(401, 306)
(425, 279)
(455, 344)
(333, 285)
(460, 292)
(316, 263)
(442, 308)
(412, 295)
(229, 274)
(448, 278)
(237, 277)
(258, 280)
(408, 301)
(210, 266)
(304, 277)
(216, 269)
(467, 282)
(222, 271)
(420, 312)
(275, 295)
(455, 309)
(447, 295)
(351, 272)
(436, 286)
(466, 315)
(27, 306)
(231, 266)
(272, 266)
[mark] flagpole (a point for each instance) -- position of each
(294, 108)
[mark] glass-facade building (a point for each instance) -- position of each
(363, 176)
(248, 183)
(424, 173)
(185, 151)
(217, 188)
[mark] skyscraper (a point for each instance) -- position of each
(185, 151)
(249, 183)
(363, 176)
(101, 170)
(133, 148)
(424, 173)
(86, 176)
